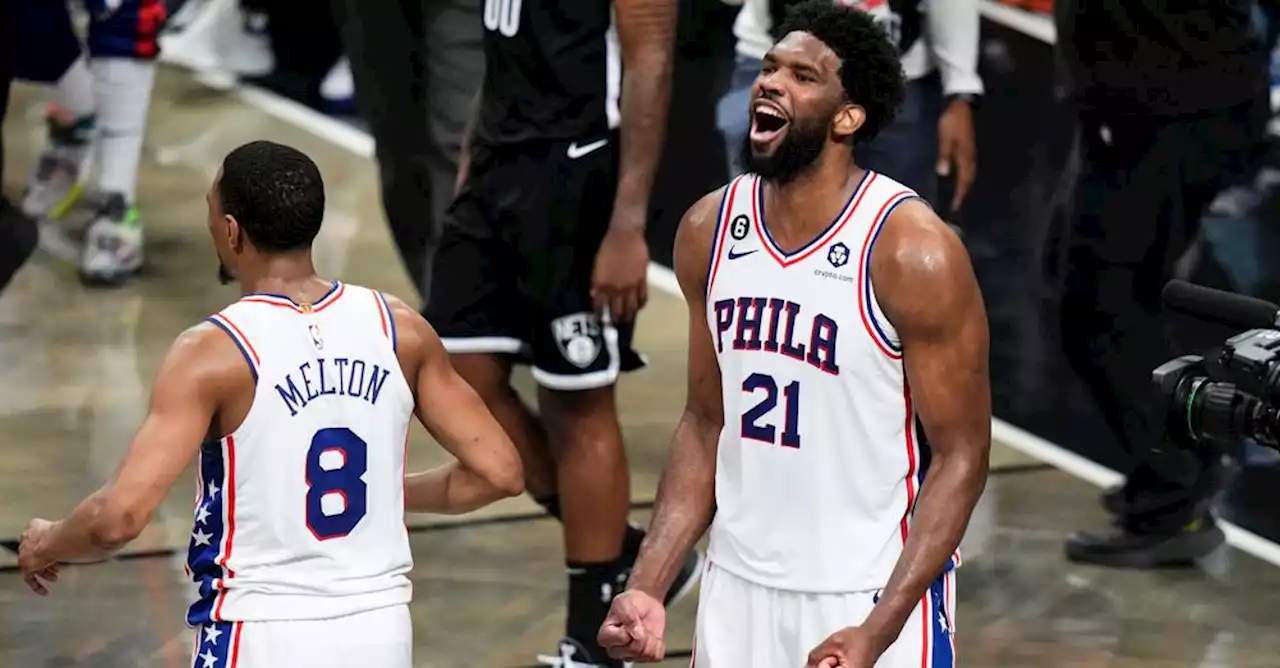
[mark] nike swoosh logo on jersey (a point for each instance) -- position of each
(734, 256)
(576, 151)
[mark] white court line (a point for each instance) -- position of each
(359, 142)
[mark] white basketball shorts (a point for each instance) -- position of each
(382, 638)
(745, 625)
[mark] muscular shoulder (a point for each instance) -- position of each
(416, 340)
(209, 358)
(694, 240)
(919, 267)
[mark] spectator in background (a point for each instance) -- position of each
(17, 231)
(417, 65)
(932, 135)
(1172, 106)
(99, 117)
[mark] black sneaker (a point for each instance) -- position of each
(571, 654)
(685, 580)
(1113, 499)
(18, 238)
(1221, 473)
(1118, 546)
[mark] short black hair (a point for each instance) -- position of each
(276, 194)
(870, 67)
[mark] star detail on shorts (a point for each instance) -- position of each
(838, 255)
(210, 661)
(213, 489)
(200, 537)
(942, 623)
(211, 634)
(202, 513)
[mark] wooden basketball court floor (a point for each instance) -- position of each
(76, 366)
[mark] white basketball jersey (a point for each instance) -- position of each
(820, 459)
(300, 511)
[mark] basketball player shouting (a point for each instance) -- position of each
(297, 400)
(833, 317)
(543, 261)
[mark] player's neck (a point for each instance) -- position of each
(801, 208)
(292, 275)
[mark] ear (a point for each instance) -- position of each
(848, 119)
(235, 234)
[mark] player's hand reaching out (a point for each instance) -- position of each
(619, 282)
(852, 647)
(634, 629)
(31, 560)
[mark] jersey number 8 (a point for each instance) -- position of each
(502, 16)
(336, 461)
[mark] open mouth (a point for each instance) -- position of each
(767, 123)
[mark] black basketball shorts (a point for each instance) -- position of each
(513, 271)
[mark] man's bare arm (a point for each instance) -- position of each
(468, 140)
(200, 365)
(487, 467)
(646, 34)
(686, 491)
(944, 348)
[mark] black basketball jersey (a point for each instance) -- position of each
(552, 70)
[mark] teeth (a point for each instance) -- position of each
(769, 111)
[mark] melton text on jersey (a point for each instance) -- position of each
(338, 376)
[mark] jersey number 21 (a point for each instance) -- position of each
(502, 16)
(756, 422)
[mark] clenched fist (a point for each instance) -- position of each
(634, 629)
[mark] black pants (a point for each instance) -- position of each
(417, 66)
(1144, 185)
(7, 42)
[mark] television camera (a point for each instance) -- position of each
(1232, 394)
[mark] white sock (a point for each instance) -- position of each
(122, 88)
(75, 90)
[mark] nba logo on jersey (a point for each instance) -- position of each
(315, 337)
(578, 336)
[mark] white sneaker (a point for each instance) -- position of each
(195, 45)
(58, 178)
(112, 244)
(569, 654)
(339, 85)
(245, 46)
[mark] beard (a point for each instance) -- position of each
(798, 150)
(224, 274)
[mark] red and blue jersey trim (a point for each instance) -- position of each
(217, 645)
(787, 259)
(722, 229)
(384, 313)
(938, 649)
(282, 301)
(242, 342)
(213, 533)
(919, 457)
(866, 311)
